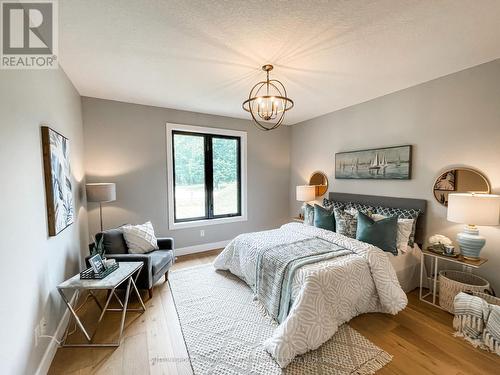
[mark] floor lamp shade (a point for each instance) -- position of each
(101, 192)
(473, 209)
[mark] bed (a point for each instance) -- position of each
(407, 268)
(406, 265)
(312, 280)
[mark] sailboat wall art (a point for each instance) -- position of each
(389, 163)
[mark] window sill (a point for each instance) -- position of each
(202, 223)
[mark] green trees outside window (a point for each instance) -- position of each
(207, 176)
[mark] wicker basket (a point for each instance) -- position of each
(492, 300)
(453, 282)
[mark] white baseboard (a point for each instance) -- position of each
(201, 248)
(50, 352)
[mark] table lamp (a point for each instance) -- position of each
(305, 193)
(473, 209)
(101, 193)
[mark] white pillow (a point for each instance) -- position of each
(140, 239)
(353, 212)
(404, 231)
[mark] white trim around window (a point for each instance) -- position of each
(170, 176)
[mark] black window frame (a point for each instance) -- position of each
(209, 188)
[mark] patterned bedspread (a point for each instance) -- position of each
(276, 268)
(325, 294)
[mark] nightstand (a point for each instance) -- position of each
(468, 264)
(297, 219)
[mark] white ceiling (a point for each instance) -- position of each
(205, 55)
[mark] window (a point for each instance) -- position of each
(206, 175)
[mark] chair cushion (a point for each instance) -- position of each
(113, 241)
(159, 259)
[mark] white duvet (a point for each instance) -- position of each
(324, 295)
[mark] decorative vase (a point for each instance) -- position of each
(470, 242)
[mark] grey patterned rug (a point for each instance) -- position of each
(223, 329)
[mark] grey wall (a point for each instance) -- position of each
(32, 263)
(126, 144)
(450, 121)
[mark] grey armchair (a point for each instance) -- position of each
(156, 263)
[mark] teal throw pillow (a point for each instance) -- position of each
(308, 214)
(323, 218)
(382, 233)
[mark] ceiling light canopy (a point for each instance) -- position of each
(268, 102)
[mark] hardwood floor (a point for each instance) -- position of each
(420, 338)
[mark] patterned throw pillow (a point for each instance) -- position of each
(367, 210)
(345, 223)
(140, 238)
(308, 214)
(402, 213)
(327, 203)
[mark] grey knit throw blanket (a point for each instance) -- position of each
(477, 321)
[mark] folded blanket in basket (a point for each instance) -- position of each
(471, 314)
(491, 334)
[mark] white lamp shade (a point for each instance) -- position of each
(474, 209)
(306, 193)
(101, 192)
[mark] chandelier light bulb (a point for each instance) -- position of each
(268, 102)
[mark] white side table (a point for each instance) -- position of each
(124, 274)
(435, 258)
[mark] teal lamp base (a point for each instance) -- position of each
(470, 242)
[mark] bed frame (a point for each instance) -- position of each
(393, 202)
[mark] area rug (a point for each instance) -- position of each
(223, 329)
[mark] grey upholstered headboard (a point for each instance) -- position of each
(374, 200)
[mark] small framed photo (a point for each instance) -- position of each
(97, 263)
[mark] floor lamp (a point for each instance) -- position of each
(101, 193)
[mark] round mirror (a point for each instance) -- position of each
(459, 180)
(319, 180)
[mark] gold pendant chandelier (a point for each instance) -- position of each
(267, 102)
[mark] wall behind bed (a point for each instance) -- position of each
(453, 120)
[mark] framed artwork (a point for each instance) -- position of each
(57, 173)
(97, 263)
(389, 163)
